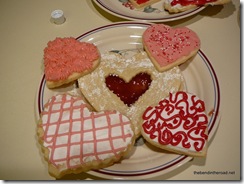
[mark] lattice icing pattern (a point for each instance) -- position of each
(75, 136)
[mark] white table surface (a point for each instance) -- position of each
(25, 30)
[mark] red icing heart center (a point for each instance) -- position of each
(141, 1)
(129, 92)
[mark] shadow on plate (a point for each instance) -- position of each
(81, 176)
(219, 11)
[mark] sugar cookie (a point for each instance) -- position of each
(178, 124)
(150, 85)
(168, 47)
(67, 59)
(176, 6)
(75, 139)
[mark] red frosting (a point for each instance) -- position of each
(65, 118)
(131, 91)
(190, 2)
(64, 56)
(141, 1)
(178, 120)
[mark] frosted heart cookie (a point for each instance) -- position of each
(168, 47)
(128, 85)
(75, 139)
(175, 6)
(142, 3)
(178, 124)
(67, 59)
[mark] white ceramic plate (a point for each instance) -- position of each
(146, 161)
(153, 13)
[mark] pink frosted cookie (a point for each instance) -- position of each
(178, 124)
(75, 139)
(175, 6)
(67, 59)
(168, 47)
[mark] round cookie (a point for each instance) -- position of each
(128, 85)
(67, 59)
(75, 139)
(178, 124)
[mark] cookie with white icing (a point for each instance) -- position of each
(75, 139)
(128, 85)
(178, 124)
(176, 6)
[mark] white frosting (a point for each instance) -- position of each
(72, 131)
(175, 6)
(168, 116)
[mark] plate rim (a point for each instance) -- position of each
(174, 17)
(181, 159)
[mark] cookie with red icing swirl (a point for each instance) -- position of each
(178, 124)
(176, 6)
(67, 59)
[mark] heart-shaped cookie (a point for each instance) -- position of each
(67, 59)
(75, 139)
(93, 86)
(178, 123)
(168, 47)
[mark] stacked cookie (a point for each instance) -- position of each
(122, 99)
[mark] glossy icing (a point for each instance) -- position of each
(64, 56)
(190, 2)
(167, 44)
(93, 86)
(74, 135)
(141, 1)
(179, 121)
(129, 92)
